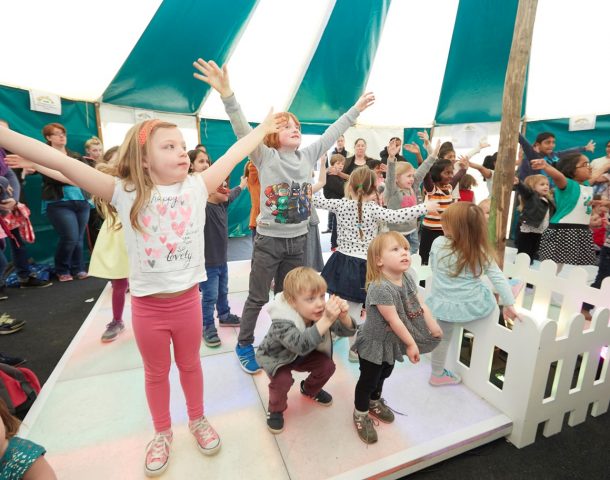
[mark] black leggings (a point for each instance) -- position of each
(528, 242)
(370, 383)
(426, 237)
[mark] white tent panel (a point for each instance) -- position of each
(72, 48)
(271, 57)
(407, 73)
(116, 121)
(569, 66)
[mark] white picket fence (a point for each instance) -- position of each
(536, 344)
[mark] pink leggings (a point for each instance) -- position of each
(119, 289)
(156, 323)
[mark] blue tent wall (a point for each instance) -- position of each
(158, 74)
(348, 44)
(218, 136)
(474, 77)
(566, 139)
(80, 122)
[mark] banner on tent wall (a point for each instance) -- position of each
(582, 122)
(45, 102)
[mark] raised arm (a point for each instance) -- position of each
(464, 164)
(221, 168)
(88, 178)
(15, 161)
(332, 133)
(218, 78)
(390, 183)
(558, 177)
(485, 172)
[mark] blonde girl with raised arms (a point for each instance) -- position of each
(162, 212)
(402, 183)
(459, 260)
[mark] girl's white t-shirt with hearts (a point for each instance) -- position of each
(169, 256)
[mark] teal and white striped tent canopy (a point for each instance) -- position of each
(430, 63)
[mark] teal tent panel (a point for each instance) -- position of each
(476, 67)
(339, 69)
(158, 74)
(218, 136)
(410, 136)
(80, 122)
(566, 139)
(313, 128)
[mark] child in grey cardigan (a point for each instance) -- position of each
(403, 183)
(299, 339)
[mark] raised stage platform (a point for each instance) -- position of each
(93, 419)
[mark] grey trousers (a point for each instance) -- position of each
(270, 256)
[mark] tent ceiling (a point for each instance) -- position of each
(280, 53)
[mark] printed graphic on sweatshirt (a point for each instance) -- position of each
(289, 203)
(173, 239)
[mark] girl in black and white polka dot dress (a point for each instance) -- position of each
(359, 218)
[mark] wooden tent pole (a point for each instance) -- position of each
(509, 129)
(99, 122)
(198, 123)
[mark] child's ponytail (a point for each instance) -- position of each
(360, 186)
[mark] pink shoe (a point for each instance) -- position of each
(208, 440)
(65, 277)
(157, 454)
(82, 275)
(446, 378)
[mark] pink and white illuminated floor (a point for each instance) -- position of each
(93, 419)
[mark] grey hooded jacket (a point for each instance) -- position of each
(288, 337)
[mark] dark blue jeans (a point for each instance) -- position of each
(69, 219)
(20, 255)
(215, 294)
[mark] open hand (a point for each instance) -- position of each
(365, 101)
(16, 161)
(273, 122)
(393, 150)
(509, 312)
(214, 76)
(411, 148)
(432, 207)
(464, 162)
(590, 147)
(483, 143)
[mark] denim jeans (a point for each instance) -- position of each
(272, 257)
(69, 219)
(215, 294)
(413, 239)
(20, 255)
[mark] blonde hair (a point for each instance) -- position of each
(531, 181)
(130, 166)
(376, 248)
(302, 280)
(361, 183)
(466, 228)
(105, 209)
(11, 424)
(404, 167)
(272, 140)
(92, 141)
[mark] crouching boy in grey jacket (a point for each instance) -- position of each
(299, 339)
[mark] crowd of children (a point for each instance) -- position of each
(164, 237)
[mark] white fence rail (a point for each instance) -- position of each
(549, 339)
